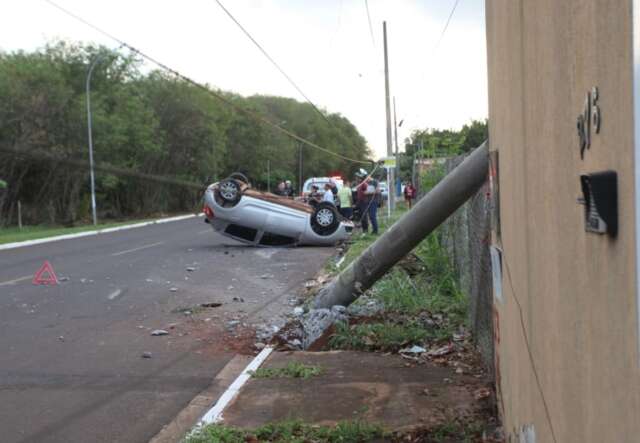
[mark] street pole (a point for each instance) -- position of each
(90, 137)
(392, 198)
(268, 175)
(300, 171)
(395, 127)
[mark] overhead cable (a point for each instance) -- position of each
(373, 40)
(446, 26)
(218, 96)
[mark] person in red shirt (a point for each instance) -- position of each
(409, 194)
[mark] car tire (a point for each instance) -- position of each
(325, 219)
(229, 192)
(239, 176)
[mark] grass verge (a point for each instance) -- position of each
(420, 295)
(290, 432)
(13, 234)
(292, 370)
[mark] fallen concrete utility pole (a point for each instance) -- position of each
(433, 209)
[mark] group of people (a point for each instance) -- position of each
(364, 201)
(284, 189)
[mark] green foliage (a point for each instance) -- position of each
(3, 184)
(151, 123)
(291, 370)
(291, 432)
(386, 336)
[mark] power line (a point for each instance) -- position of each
(250, 113)
(273, 62)
(446, 26)
(373, 40)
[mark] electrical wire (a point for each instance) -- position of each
(223, 99)
(373, 40)
(273, 62)
(529, 352)
(446, 26)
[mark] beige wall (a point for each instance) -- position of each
(576, 289)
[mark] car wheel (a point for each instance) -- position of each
(325, 219)
(239, 176)
(229, 191)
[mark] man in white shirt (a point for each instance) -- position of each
(328, 194)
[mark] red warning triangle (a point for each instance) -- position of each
(45, 275)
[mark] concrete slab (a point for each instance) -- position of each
(377, 388)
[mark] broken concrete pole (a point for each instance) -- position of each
(433, 209)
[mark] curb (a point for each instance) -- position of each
(39, 241)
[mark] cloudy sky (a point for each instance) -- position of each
(325, 45)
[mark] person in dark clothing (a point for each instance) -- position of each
(367, 205)
(409, 194)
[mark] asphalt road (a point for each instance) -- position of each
(71, 366)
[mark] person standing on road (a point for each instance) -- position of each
(328, 194)
(362, 202)
(409, 194)
(344, 195)
(280, 189)
(375, 198)
(288, 189)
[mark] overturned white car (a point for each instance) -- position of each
(263, 219)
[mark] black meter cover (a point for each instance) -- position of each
(600, 193)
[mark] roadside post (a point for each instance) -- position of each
(389, 164)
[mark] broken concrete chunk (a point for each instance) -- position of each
(259, 345)
(190, 269)
(158, 332)
(298, 311)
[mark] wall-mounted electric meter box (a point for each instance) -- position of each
(600, 199)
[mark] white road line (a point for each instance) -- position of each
(14, 281)
(208, 231)
(115, 254)
(96, 232)
(214, 415)
(115, 294)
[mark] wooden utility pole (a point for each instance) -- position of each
(390, 187)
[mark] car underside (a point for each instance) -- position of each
(258, 218)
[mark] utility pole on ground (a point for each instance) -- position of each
(390, 187)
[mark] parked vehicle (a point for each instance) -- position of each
(320, 182)
(262, 219)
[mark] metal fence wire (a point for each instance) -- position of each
(466, 236)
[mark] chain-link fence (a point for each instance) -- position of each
(466, 236)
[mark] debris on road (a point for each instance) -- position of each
(413, 350)
(159, 332)
(211, 305)
(444, 350)
(238, 299)
(298, 311)
(146, 355)
(265, 276)
(190, 269)
(173, 289)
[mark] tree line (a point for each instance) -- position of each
(158, 140)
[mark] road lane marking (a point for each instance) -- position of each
(115, 254)
(96, 232)
(115, 294)
(14, 281)
(214, 415)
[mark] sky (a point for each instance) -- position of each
(325, 46)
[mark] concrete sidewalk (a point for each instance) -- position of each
(376, 388)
